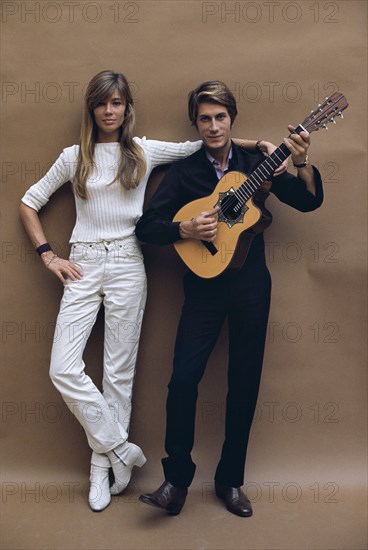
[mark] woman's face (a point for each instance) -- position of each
(109, 117)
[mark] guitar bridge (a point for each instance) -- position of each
(210, 247)
(231, 210)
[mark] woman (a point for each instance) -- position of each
(109, 173)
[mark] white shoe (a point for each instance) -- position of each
(99, 492)
(122, 459)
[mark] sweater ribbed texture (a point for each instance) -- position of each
(110, 212)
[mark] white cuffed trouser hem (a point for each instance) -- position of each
(113, 274)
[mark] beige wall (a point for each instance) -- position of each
(280, 59)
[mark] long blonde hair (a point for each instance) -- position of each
(132, 164)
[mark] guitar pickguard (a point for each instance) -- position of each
(231, 212)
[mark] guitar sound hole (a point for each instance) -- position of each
(230, 207)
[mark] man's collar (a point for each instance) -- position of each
(216, 165)
(215, 162)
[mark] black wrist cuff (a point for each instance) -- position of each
(43, 248)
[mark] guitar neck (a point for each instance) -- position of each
(264, 171)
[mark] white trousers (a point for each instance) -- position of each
(113, 274)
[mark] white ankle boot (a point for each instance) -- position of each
(122, 459)
(99, 492)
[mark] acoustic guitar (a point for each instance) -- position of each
(241, 216)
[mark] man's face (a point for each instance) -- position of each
(214, 126)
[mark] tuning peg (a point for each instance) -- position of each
(342, 116)
(325, 126)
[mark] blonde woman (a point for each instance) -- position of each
(109, 172)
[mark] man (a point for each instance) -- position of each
(240, 295)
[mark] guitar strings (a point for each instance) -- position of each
(249, 187)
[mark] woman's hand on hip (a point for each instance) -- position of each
(63, 269)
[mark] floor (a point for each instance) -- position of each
(55, 515)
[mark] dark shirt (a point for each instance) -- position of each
(195, 177)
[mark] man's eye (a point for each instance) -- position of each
(116, 103)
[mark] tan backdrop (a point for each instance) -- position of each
(306, 460)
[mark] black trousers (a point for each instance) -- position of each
(243, 298)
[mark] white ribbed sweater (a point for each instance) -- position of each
(110, 212)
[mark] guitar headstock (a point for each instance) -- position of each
(326, 112)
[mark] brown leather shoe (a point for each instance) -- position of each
(167, 497)
(236, 501)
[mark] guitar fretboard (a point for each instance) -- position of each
(263, 172)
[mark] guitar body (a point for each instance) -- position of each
(234, 236)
